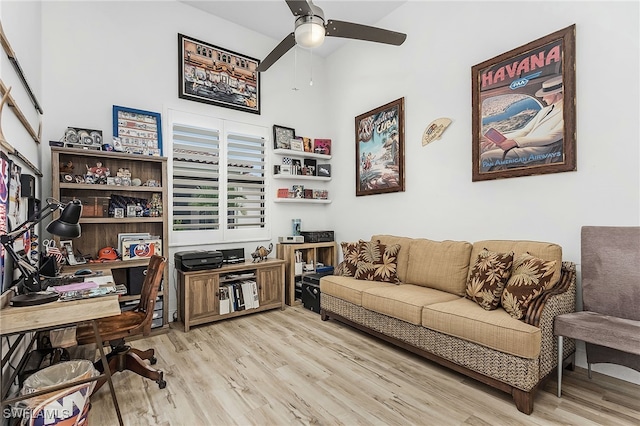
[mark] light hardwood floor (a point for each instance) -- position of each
(289, 367)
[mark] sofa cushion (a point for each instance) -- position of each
(403, 254)
(377, 262)
(443, 265)
(488, 277)
(404, 301)
(529, 278)
(347, 268)
(495, 329)
(348, 288)
(543, 250)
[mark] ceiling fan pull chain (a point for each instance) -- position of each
(295, 69)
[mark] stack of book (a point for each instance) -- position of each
(238, 296)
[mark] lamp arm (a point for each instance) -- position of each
(35, 219)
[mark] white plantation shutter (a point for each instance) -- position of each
(245, 181)
(195, 178)
(219, 184)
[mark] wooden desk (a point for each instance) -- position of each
(23, 320)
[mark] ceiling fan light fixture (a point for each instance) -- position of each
(310, 31)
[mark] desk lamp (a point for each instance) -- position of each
(29, 287)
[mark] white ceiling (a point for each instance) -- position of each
(274, 19)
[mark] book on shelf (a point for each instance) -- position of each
(250, 294)
(224, 300)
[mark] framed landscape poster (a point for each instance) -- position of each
(524, 117)
(217, 76)
(380, 150)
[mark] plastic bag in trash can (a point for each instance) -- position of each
(64, 404)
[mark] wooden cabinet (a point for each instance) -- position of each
(99, 227)
(199, 291)
(311, 254)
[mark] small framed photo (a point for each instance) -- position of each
(307, 144)
(322, 146)
(296, 166)
(298, 190)
(323, 170)
(118, 213)
(297, 144)
(282, 137)
(131, 210)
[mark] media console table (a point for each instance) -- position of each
(199, 291)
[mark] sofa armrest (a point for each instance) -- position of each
(536, 308)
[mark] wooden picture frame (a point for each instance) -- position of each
(380, 150)
(524, 115)
(138, 131)
(217, 76)
(282, 137)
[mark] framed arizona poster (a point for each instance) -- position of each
(380, 150)
(524, 116)
(217, 76)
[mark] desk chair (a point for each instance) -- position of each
(610, 321)
(116, 329)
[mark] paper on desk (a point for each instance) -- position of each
(86, 285)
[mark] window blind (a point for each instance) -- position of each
(196, 178)
(219, 180)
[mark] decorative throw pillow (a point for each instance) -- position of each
(377, 262)
(529, 278)
(348, 266)
(488, 278)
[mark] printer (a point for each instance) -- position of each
(198, 260)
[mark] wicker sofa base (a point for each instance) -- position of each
(520, 377)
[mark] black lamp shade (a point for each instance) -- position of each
(67, 225)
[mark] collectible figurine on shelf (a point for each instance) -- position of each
(98, 174)
(261, 253)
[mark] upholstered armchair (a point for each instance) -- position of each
(609, 323)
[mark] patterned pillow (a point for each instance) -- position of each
(529, 278)
(348, 266)
(488, 278)
(377, 262)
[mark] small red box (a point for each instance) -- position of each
(283, 192)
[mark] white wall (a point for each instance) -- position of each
(432, 70)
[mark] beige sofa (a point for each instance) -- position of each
(427, 313)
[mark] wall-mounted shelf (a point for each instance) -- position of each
(301, 154)
(301, 177)
(302, 200)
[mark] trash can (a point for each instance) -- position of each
(70, 405)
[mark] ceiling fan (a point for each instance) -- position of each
(311, 29)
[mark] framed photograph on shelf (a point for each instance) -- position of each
(217, 76)
(523, 105)
(282, 137)
(322, 146)
(297, 144)
(380, 150)
(139, 132)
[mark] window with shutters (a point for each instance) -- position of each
(219, 180)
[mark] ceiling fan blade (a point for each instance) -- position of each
(282, 48)
(363, 32)
(300, 7)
